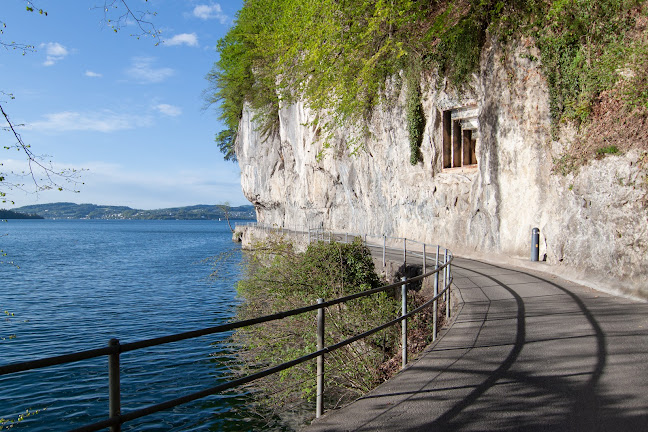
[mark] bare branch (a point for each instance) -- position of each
(118, 14)
(25, 48)
(42, 172)
(225, 207)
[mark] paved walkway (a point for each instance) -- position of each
(528, 351)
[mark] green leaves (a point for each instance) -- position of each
(415, 120)
(10, 423)
(280, 279)
(582, 45)
(30, 8)
(335, 56)
(607, 150)
(338, 56)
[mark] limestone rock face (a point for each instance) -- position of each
(593, 224)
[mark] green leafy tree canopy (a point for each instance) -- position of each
(339, 56)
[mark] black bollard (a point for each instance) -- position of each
(535, 243)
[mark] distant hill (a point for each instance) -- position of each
(93, 211)
(9, 214)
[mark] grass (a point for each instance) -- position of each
(602, 151)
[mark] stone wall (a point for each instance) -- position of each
(593, 224)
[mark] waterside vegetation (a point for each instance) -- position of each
(278, 279)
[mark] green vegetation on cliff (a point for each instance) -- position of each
(340, 56)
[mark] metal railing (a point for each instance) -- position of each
(114, 349)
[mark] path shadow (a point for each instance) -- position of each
(579, 407)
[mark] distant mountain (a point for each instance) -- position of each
(10, 214)
(93, 211)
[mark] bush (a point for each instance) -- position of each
(279, 279)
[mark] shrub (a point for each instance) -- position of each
(279, 279)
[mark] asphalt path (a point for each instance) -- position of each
(525, 351)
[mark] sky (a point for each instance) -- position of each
(129, 113)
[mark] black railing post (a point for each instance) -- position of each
(535, 244)
(319, 403)
(114, 396)
(435, 310)
(424, 260)
(446, 286)
(449, 310)
(435, 306)
(404, 322)
(404, 251)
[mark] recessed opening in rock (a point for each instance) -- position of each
(460, 137)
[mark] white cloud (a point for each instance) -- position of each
(104, 121)
(146, 186)
(92, 74)
(143, 71)
(54, 52)
(169, 110)
(189, 39)
(140, 185)
(211, 11)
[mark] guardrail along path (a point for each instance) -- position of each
(528, 351)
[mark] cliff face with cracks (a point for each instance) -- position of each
(593, 224)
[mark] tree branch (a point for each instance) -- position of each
(16, 45)
(147, 28)
(51, 178)
(42, 172)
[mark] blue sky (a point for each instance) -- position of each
(128, 112)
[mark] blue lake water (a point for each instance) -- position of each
(82, 282)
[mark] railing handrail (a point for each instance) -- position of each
(305, 230)
(115, 349)
(146, 343)
(249, 378)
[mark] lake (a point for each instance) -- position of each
(83, 282)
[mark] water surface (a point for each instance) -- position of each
(82, 282)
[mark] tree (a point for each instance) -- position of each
(355, 52)
(225, 207)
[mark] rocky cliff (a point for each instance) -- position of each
(593, 223)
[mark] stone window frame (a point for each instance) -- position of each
(460, 137)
